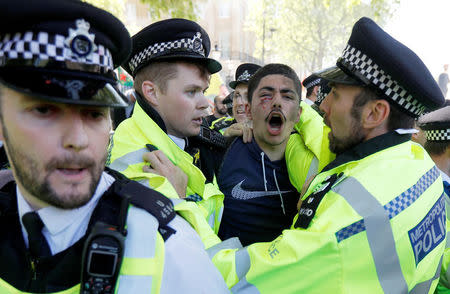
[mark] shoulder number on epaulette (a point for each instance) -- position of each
(310, 204)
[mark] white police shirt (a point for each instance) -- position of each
(187, 267)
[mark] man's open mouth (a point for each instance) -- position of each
(275, 122)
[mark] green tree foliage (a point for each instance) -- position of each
(310, 34)
(173, 8)
(115, 7)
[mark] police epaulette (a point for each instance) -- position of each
(311, 203)
(148, 199)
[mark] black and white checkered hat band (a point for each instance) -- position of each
(158, 49)
(244, 77)
(41, 46)
(320, 95)
(313, 83)
(438, 135)
(355, 59)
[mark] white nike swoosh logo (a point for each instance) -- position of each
(242, 194)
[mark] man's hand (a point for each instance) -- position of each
(243, 129)
(161, 165)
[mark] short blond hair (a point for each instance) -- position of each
(160, 72)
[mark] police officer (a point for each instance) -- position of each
(239, 104)
(67, 225)
(311, 84)
(171, 71)
(436, 126)
(373, 221)
(316, 90)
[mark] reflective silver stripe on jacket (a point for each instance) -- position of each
(122, 163)
(397, 205)
(232, 243)
(313, 169)
(139, 243)
(379, 234)
(425, 287)
(446, 279)
(242, 259)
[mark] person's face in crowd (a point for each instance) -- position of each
(275, 108)
(57, 151)
(183, 105)
(240, 102)
(220, 107)
(343, 119)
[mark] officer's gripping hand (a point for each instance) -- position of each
(243, 129)
(161, 165)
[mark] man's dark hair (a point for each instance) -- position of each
(309, 91)
(436, 148)
(273, 69)
(397, 118)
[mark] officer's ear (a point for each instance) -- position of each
(300, 109)
(248, 110)
(375, 114)
(149, 91)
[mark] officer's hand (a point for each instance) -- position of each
(161, 165)
(240, 129)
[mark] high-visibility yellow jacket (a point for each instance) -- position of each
(373, 221)
(444, 281)
(141, 270)
(221, 124)
(126, 150)
(307, 150)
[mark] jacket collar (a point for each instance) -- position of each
(368, 147)
(151, 112)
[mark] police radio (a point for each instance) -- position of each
(212, 137)
(102, 258)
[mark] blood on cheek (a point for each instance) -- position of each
(264, 102)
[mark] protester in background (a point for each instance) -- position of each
(220, 110)
(443, 80)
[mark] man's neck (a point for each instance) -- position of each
(442, 162)
(218, 115)
(273, 152)
(180, 142)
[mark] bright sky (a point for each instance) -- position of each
(424, 26)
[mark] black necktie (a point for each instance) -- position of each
(36, 240)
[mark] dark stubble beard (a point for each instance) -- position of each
(356, 136)
(222, 111)
(27, 172)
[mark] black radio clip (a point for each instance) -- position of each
(102, 258)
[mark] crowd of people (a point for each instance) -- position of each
(344, 192)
